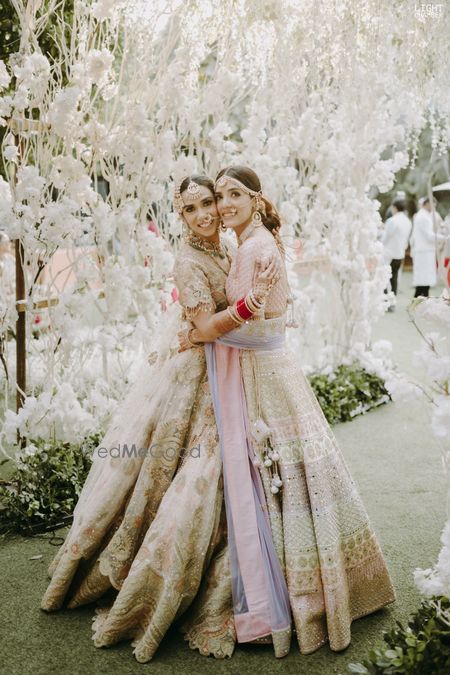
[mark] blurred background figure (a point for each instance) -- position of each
(395, 240)
(424, 243)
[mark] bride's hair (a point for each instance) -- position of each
(271, 220)
(200, 179)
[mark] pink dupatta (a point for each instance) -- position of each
(260, 595)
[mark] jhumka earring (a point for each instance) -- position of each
(256, 219)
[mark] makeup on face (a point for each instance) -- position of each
(200, 213)
(235, 206)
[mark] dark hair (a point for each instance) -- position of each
(200, 180)
(426, 200)
(399, 204)
(271, 219)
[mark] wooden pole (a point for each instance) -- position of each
(21, 331)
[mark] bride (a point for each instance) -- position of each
(150, 521)
(334, 567)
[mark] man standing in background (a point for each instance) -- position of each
(395, 240)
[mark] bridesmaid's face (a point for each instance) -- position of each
(234, 205)
(200, 213)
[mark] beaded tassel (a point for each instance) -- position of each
(267, 456)
(291, 320)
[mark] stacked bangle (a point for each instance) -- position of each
(251, 302)
(232, 312)
(244, 308)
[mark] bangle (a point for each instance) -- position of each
(236, 320)
(193, 344)
(253, 304)
(242, 310)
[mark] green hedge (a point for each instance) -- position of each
(44, 487)
(348, 391)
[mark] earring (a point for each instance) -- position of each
(222, 226)
(256, 219)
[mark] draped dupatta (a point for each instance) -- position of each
(260, 595)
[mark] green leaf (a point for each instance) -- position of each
(390, 653)
(357, 668)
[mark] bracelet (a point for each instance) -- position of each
(253, 304)
(242, 310)
(188, 338)
(236, 320)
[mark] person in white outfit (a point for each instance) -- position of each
(423, 245)
(395, 239)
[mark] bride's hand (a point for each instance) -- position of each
(267, 273)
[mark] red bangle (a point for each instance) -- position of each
(242, 310)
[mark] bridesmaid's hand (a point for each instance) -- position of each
(267, 273)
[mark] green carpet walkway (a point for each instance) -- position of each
(396, 463)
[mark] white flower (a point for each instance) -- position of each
(382, 349)
(10, 153)
(30, 450)
(103, 9)
(98, 64)
(434, 309)
(219, 132)
(289, 213)
(428, 582)
(401, 389)
(109, 91)
(63, 113)
(5, 77)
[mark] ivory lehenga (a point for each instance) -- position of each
(155, 528)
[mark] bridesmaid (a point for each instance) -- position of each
(333, 563)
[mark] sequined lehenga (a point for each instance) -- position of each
(334, 567)
(156, 530)
(152, 525)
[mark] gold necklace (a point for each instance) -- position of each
(211, 248)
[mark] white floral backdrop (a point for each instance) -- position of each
(325, 102)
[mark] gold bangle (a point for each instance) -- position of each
(236, 320)
(193, 344)
(255, 304)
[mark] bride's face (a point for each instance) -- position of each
(234, 205)
(200, 213)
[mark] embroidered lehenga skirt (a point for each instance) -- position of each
(155, 530)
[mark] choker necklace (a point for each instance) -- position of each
(207, 247)
(248, 231)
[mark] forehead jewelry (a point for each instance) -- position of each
(223, 180)
(193, 189)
